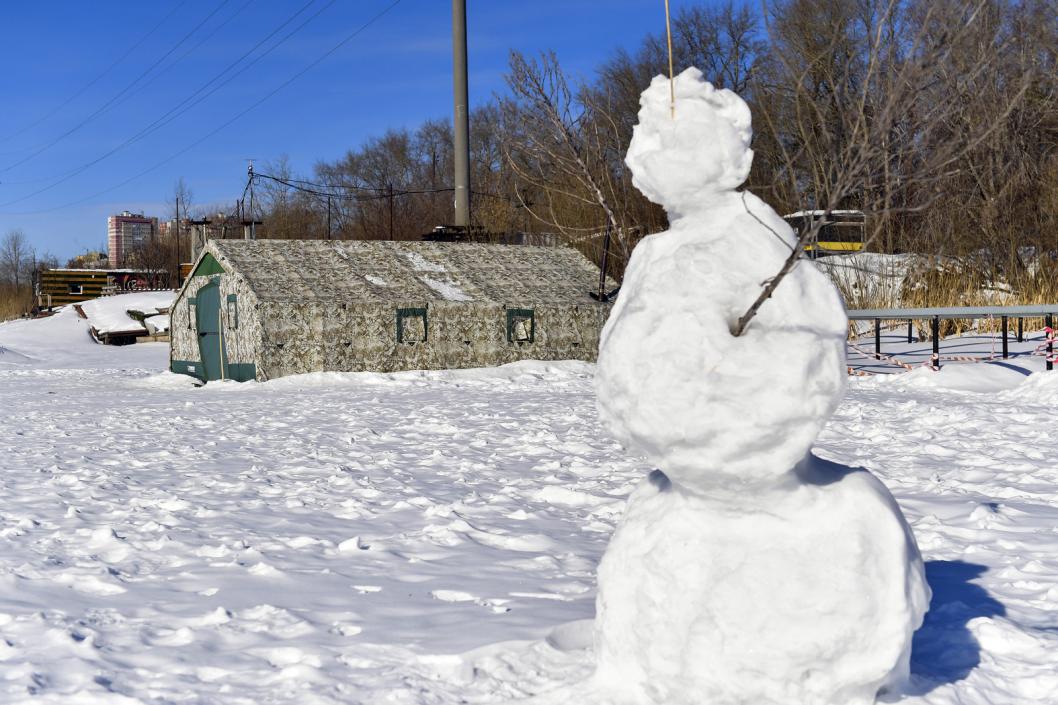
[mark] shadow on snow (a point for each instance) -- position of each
(943, 649)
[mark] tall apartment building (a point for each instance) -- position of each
(124, 232)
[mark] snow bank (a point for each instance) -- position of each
(976, 378)
(109, 314)
(746, 572)
(1039, 388)
(64, 341)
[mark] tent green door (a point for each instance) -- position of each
(210, 337)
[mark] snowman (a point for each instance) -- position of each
(745, 569)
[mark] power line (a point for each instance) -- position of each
(206, 38)
(110, 103)
(345, 186)
(384, 192)
(316, 190)
(108, 69)
(188, 102)
(233, 119)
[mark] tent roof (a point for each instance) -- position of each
(357, 270)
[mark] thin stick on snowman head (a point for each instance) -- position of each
(672, 82)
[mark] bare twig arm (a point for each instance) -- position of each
(771, 284)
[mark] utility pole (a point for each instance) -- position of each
(177, 226)
(461, 122)
(389, 192)
(253, 232)
(328, 217)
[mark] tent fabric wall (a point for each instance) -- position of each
(307, 306)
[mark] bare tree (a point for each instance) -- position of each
(937, 118)
(549, 144)
(183, 201)
(154, 256)
(16, 258)
(866, 121)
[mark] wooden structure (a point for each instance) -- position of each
(261, 309)
(58, 287)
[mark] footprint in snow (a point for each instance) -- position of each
(283, 656)
(88, 584)
(496, 605)
(181, 636)
(345, 629)
(365, 589)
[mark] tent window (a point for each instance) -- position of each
(233, 311)
(521, 325)
(412, 326)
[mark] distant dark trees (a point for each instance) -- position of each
(938, 119)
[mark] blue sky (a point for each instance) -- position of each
(395, 73)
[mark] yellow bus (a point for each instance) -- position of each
(842, 233)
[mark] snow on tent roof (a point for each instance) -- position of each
(350, 270)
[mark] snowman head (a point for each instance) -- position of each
(683, 162)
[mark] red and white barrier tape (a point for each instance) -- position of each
(935, 360)
(1041, 349)
(888, 358)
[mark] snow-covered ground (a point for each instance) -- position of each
(433, 537)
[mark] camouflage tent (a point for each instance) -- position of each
(261, 309)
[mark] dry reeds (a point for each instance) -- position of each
(14, 302)
(915, 281)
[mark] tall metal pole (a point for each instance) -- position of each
(603, 267)
(253, 232)
(461, 120)
(389, 191)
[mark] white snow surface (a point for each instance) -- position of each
(109, 314)
(432, 538)
(744, 572)
(158, 323)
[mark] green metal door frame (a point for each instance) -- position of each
(210, 334)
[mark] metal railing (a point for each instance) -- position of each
(936, 315)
